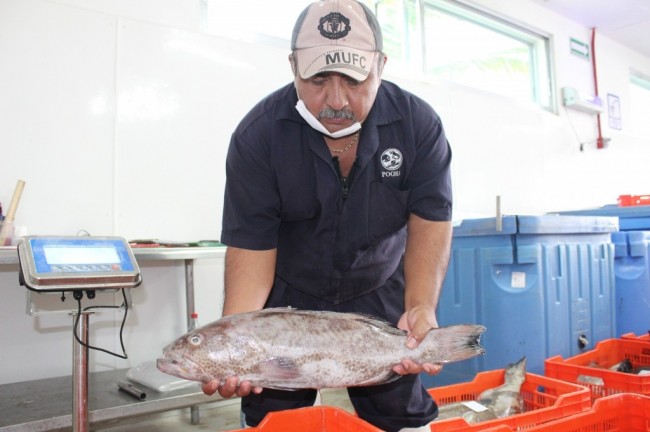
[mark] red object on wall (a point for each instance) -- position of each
(633, 200)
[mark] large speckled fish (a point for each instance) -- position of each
(291, 349)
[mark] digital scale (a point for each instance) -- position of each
(77, 264)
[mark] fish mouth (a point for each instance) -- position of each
(184, 368)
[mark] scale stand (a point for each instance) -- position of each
(77, 264)
(80, 374)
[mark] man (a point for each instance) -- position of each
(338, 197)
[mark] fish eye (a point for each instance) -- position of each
(195, 339)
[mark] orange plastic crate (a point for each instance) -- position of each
(606, 354)
(313, 419)
(625, 412)
(545, 399)
(644, 337)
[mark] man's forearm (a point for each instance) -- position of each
(248, 279)
(425, 261)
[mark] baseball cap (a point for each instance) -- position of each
(336, 36)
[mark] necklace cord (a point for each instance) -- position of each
(352, 142)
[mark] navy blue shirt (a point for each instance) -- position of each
(335, 240)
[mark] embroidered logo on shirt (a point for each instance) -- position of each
(391, 160)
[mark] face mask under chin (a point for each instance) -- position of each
(314, 123)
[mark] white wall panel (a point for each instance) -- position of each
(496, 155)
(180, 96)
(185, 14)
(57, 115)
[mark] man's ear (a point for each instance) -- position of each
(292, 61)
(381, 63)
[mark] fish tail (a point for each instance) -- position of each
(453, 343)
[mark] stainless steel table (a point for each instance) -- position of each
(45, 405)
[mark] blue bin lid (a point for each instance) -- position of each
(630, 218)
(485, 227)
(546, 224)
(558, 224)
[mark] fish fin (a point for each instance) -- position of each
(367, 319)
(275, 387)
(452, 343)
(279, 368)
(384, 326)
(385, 379)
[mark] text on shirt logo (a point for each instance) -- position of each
(391, 160)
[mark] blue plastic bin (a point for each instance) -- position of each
(631, 266)
(542, 286)
(633, 218)
(632, 281)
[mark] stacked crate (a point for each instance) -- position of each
(625, 412)
(592, 368)
(545, 399)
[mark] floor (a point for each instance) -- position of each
(220, 416)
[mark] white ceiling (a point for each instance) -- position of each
(624, 21)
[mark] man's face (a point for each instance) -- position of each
(337, 100)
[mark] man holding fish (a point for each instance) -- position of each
(338, 198)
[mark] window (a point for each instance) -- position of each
(450, 40)
(639, 104)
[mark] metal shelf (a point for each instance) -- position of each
(44, 405)
(8, 255)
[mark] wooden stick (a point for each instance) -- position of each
(11, 213)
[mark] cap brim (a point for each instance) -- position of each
(332, 58)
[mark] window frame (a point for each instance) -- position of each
(636, 126)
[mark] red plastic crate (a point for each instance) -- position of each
(644, 337)
(625, 412)
(606, 354)
(633, 200)
(313, 419)
(545, 399)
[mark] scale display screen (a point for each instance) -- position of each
(56, 263)
(74, 255)
(56, 255)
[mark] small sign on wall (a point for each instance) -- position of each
(614, 111)
(579, 48)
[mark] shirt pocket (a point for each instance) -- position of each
(387, 211)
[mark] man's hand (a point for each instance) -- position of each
(231, 387)
(417, 322)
